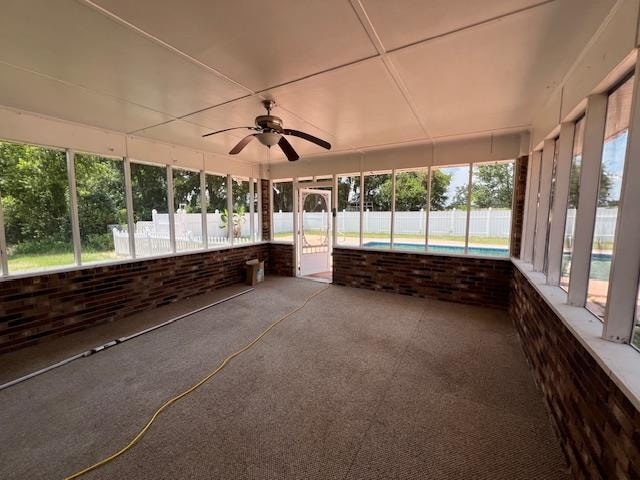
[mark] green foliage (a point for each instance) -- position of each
(492, 187)
(36, 247)
(186, 190)
(35, 193)
(216, 193)
(238, 218)
(283, 196)
(440, 182)
(149, 188)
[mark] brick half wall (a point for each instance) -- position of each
(36, 307)
(598, 427)
(470, 280)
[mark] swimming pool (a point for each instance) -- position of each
(490, 251)
(600, 262)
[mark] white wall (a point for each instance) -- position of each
(26, 127)
(604, 59)
(445, 152)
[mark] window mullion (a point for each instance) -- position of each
(625, 267)
(4, 262)
(171, 208)
(529, 234)
(542, 216)
(588, 200)
(469, 189)
(73, 206)
(560, 202)
(129, 202)
(203, 209)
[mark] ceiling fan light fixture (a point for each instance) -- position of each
(269, 139)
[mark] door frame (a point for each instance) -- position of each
(326, 185)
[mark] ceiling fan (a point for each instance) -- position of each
(270, 132)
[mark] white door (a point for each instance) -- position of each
(314, 241)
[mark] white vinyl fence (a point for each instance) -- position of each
(153, 237)
(488, 222)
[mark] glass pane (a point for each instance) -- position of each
(611, 170)
(348, 216)
(35, 201)
(572, 204)
(102, 208)
(188, 216)
(490, 220)
(410, 217)
(240, 218)
(283, 211)
(376, 222)
(150, 211)
(215, 197)
(448, 209)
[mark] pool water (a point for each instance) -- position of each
(600, 265)
(490, 251)
(600, 262)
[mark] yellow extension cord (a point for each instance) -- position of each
(173, 400)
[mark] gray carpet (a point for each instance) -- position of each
(358, 385)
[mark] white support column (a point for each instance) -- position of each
(625, 267)
(171, 208)
(230, 209)
(528, 235)
(271, 237)
(560, 201)
(428, 209)
(393, 206)
(258, 236)
(361, 206)
(334, 213)
(542, 217)
(73, 206)
(525, 212)
(131, 226)
(296, 227)
(588, 200)
(4, 261)
(252, 223)
(469, 189)
(203, 209)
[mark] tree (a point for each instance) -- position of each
(283, 196)
(35, 194)
(412, 190)
(604, 187)
(492, 186)
(149, 188)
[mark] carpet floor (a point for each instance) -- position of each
(357, 385)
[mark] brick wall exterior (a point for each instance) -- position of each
(598, 427)
(476, 281)
(33, 308)
(281, 259)
(517, 215)
(266, 210)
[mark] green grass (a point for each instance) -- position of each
(25, 263)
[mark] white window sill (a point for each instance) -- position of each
(108, 263)
(621, 362)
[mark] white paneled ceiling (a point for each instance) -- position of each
(361, 73)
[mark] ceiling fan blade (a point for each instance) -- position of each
(307, 137)
(226, 130)
(288, 150)
(241, 144)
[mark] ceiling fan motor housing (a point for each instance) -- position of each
(269, 122)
